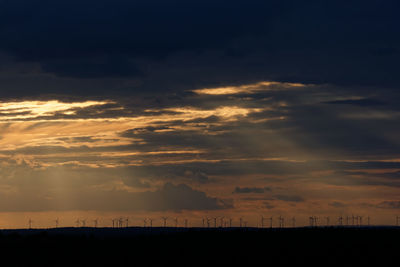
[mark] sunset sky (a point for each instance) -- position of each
(188, 109)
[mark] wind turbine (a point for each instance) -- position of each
(281, 222)
(56, 221)
(241, 222)
(151, 223)
(270, 222)
(144, 222)
(208, 222)
(262, 221)
(340, 221)
(176, 221)
(30, 223)
(78, 222)
(83, 222)
(327, 221)
(360, 220)
(127, 222)
(222, 221)
(311, 221)
(215, 222)
(165, 221)
(230, 222)
(95, 222)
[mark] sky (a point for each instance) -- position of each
(192, 109)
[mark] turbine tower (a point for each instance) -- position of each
(340, 221)
(215, 222)
(165, 221)
(208, 222)
(262, 221)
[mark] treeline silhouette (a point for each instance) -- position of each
(201, 247)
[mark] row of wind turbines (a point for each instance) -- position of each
(228, 222)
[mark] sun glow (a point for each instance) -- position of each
(34, 109)
(248, 88)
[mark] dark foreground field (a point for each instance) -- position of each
(201, 247)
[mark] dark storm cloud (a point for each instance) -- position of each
(389, 205)
(337, 204)
(246, 190)
(97, 47)
(289, 198)
(359, 102)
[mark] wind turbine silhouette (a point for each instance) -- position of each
(144, 222)
(165, 221)
(151, 223)
(340, 221)
(56, 221)
(176, 221)
(222, 221)
(95, 222)
(78, 222)
(83, 222)
(208, 222)
(230, 222)
(281, 221)
(215, 222)
(327, 220)
(30, 223)
(262, 221)
(270, 221)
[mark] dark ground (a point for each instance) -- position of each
(375, 246)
